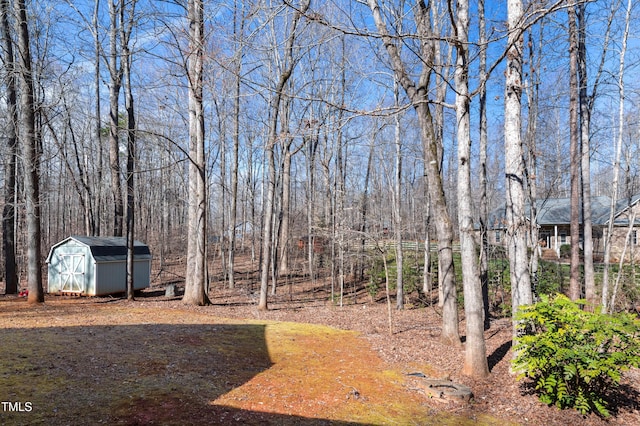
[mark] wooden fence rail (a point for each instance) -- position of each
(406, 245)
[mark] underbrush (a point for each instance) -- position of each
(574, 357)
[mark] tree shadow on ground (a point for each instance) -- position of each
(623, 397)
(135, 374)
(498, 354)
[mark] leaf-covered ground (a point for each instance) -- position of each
(307, 360)
(108, 361)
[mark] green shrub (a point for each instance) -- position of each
(551, 277)
(565, 251)
(372, 288)
(411, 274)
(575, 357)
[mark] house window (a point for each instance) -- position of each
(563, 237)
(498, 236)
(634, 237)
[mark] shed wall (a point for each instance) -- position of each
(111, 277)
(75, 257)
(72, 268)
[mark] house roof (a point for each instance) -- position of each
(107, 249)
(621, 207)
(557, 211)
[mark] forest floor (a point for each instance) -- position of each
(307, 360)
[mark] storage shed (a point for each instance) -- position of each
(95, 266)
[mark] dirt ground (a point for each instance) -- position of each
(413, 345)
(369, 369)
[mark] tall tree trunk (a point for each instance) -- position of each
(285, 214)
(125, 33)
(338, 219)
(475, 360)
(586, 109)
(418, 95)
(267, 233)
(115, 71)
(397, 205)
(532, 156)
(130, 224)
(78, 173)
(239, 34)
(30, 157)
(195, 291)
(444, 231)
(442, 78)
(283, 245)
(312, 145)
(222, 157)
(585, 124)
(484, 204)
(574, 130)
(516, 234)
(285, 233)
(98, 125)
(251, 185)
(427, 273)
(267, 226)
(364, 208)
(8, 211)
(606, 307)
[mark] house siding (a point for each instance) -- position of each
(554, 228)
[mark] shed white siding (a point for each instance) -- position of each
(95, 266)
(111, 276)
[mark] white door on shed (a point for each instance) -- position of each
(72, 273)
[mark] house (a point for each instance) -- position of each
(553, 220)
(96, 266)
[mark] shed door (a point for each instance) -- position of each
(72, 273)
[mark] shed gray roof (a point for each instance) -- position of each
(107, 248)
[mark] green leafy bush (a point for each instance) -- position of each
(565, 251)
(411, 274)
(575, 357)
(551, 277)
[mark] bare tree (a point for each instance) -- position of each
(115, 84)
(606, 305)
(575, 158)
(89, 195)
(98, 124)
(72, 161)
(442, 71)
(586, 108)
(484, 203)
(125, 35)
(397, 203)
(475, 361)
(195, 291)
(30, 157)
(585, 120)
(288, 65)
(532, 91)
(238, 31)
(9, 210)
(516, 233)
(288, 151)
(311, 153)
(418, 92)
